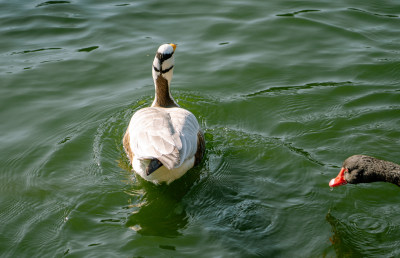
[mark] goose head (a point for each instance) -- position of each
(162, 70)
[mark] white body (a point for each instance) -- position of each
(167, 134)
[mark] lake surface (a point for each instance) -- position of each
(284, 91)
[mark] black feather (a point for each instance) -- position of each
(153, 166)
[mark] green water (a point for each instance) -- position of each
(284, 91)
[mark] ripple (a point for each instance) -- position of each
(355, 230)
(35, 50)
(110, 133)
(369, 224)
(52, 3)
(88, 49)
(376, 14)
(248, 216)
(295, 89)
(36, 229)
(296, 13)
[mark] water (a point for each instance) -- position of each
(284, 90)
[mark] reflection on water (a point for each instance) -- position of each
(356, 229)
(342, 246)
(158, 210)
(353, 236)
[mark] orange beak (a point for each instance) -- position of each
(339, 180)
(173, 46)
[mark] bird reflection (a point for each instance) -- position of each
(158, 209)
(340, 239)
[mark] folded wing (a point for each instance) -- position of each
(167, 134)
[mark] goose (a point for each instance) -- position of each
(365, 169)
(163, 141)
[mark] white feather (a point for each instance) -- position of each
(169, 136)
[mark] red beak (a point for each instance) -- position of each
(339, 180)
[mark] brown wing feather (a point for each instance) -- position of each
(201, 146)
(127, 146)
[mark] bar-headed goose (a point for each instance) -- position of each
(163, 141)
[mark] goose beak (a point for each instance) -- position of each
(173, 46)
(339, 180)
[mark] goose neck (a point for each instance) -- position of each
(163, 96)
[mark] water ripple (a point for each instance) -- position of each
(297, 12)
(52, 3)
(354, 234)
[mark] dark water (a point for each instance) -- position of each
(284, 90)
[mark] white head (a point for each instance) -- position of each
(163, 63)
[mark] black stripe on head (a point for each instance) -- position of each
(163, 57)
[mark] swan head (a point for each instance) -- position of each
(352, 172)
(163, 64)
(365, 169)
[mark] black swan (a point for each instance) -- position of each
(365, 169)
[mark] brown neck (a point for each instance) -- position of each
(163, 97)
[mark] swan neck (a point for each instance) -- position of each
(387, 172)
